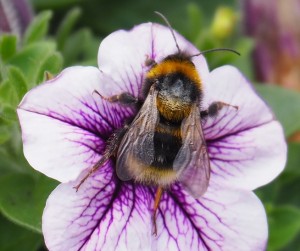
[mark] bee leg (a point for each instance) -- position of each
(158, 195)
(149, 61)
(124, 98)
(111, 147)
(214, 109)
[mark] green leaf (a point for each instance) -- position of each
(113, 15)
(4, 135)
(8, 164)
(288, 192)
(7, 94)
(194, 22)
(38, 28)
(293, 245)
(285, 104)
(30, 59)
(52, 64)
(14, 237)
(8, 113)
(287, 183)
(284, 224)
(293, 163)
(17, 80)
(76, 45)
(23, 198)
(269, 193)
(8, 45)
(290, 179)
(11, 153)
(66, 27)
(3, 72)
(243, 62)
(54, 4)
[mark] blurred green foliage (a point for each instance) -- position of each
(68, 32)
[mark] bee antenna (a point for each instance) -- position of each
(170, 27)
(216, 49)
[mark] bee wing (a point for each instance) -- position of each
(138, 142)
(192, 161)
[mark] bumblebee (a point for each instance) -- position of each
(164, 143)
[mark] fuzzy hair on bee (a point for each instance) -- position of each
(164, 143)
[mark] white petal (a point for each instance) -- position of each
(246, 146)
(122, 55)
(104, 214)
(222, 220)
(107, 214)
(64, 125)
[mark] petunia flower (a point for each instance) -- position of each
(65, 128)
(274, 27)
(15, 16)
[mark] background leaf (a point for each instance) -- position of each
(52, 63)
(8, 46)
(66, 26)
(38, 28)
(284, 224)
(18, 81)
(31, 58)
(285, 104)
(14, 238)
(23, 198)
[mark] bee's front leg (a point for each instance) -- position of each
(124, 98)
(110, 150)
(214, 109)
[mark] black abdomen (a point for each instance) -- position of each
(166, 147)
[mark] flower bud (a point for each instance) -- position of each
(223, 23)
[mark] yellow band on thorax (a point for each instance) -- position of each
(173, 66)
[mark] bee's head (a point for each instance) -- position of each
(177, 87)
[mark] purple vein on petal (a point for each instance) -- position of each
(119, 195)
(96, 112)
(108, 207)
(69, 121)
(235, 132)
(187, 216)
